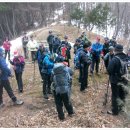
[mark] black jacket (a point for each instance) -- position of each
(84, 58)
(50, 39)
(114, 67)
(105, 48)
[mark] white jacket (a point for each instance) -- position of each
(32, 45)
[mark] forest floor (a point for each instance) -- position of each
(38, 112)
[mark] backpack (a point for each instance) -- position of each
(124, 72)
(64, 52)
(61, 79)
(56, 41)
(76, 58)
(25, 40)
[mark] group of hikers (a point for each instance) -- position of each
(56, 73)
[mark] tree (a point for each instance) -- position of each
(99, 17)
(77, 14)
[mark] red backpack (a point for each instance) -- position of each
(63, 52)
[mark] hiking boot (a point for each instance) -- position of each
(72, 114)
(62, 119)
(111, 113)
(20, 91)
(46, 97)
(18, 102)
(2, 105)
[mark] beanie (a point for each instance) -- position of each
(119, 48)
(111, 48)
(86, 45)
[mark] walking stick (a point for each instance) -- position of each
(34, 72)
(106, 95)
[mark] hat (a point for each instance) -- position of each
(86, 45)
(106, 38)
(31, 36)
(15, 53)
(65, 37)
(1, 51)
(119, 48)
(78, 40)
(111, 48)
(59, 59)
(50, 31)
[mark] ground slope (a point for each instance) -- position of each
(38, 112)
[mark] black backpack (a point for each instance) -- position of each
(124, 72)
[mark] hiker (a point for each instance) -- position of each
(32, 47)
(62, 77)
(105, 50)
(84, 39)
(4, 81)
(48, 63)
(85, 61)
(65, 50)
(25, 40)
(113, 41)
(40, 56)
(105, 46)
(7, 46)
(96, 50)
(108, 57)
(50, 40)
(77, 45)
(56, 42)
(119, 84)
(18, 66)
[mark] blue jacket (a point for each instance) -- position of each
(97, 49)
(5, 70)
(48, 64)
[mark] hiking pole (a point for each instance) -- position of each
(34, 72)
(106, 95)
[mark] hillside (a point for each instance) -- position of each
(38, 112)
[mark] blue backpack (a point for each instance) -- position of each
(76, 58)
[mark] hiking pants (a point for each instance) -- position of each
(55, 48)
(6, 85)
(33, 54)
(60, 100)
(46, 83)
(84, 77)
(50, 48)
(7, 52)
(95, 61)
(19, 80)
(40, 69)
(25, 52)
(106, 64)
(117, 93)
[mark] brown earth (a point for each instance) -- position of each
(38, 112)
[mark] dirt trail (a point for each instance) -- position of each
(38, 112)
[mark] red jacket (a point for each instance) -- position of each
(6, 45)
